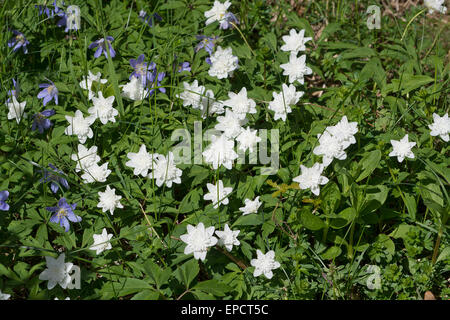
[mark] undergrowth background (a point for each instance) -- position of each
(374, 210)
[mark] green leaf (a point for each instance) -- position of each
(311, 221)
(331, 253)
(158, 275)
(343, 218)
(368, 163)
(213, 286)
(187, 272)
(445, 254)
(249, 220)
(330, 197)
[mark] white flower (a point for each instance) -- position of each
(402, 149)
(109, 200)
(220, 152)
(251, 206)
(86, 83)
(165, 171)
(240, 104)
(192, 95)
(440, 126)
(295, 42)
(57, 272)
(80, 126)
(230, 124)
(103, 109)
(437, 5)
(101, 241)
(142, 161)
(282, 102)
(210, 104)
(96, 173)
(217, 12)
(296, 68)
(198, 239)
(134, 89)
(344, 131)
(217, 194)
(16, 109)
(85, 157)
(4, 296)
(228, 238)
(264, 264)
(248, 139)
(223, 63)
(311, 178)
(329, 147)
(67, 298)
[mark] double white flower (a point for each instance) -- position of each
(198, 240)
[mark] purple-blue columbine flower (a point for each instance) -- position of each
(18, 41)
(184, 66)
(64, 214)
(142, 70)
(161, 76)
(41, 122)
(148, 19)
(49, 11)
(226, 22)
(55, 179)
(206, 42)
(3, 196)
(50, 92)
(14, 92)
(101, 44)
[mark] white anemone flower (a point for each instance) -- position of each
(192, 95)
(217, 12)
(108, 200)
(311, 178)
(223, 63)
(228, 238)
(440, 126)
(264, 264)
(198, 240)
(240, 103)
(85, 157)
(296, 68)
(165, 171)
(57, 272)
(217, 194)
(16, 109)
(103, 109)
(220, 152)
(402, 149)
(250, 206)
(230, 124)
(101, 242)
(248, 139)
(329, 147)
(141, 161)
(80, 126)
(295, 42)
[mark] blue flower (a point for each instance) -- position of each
(50, 92)
(54, 178)
(40, 120)
(64, 214)
(184, 67)
(206, 42)
(148, 19)
(101, 44)
(14, 92)
(3, 196)
(48, 11)
(225, 23)
(18, 41)
(141, 69)
(161, 76)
